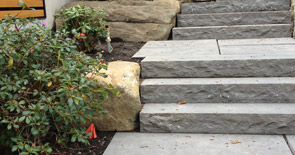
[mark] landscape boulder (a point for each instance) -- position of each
(137, 20)
(122, 111)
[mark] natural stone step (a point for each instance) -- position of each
(266, 46)
(197, 144)
(219, 90)
(219, 118)
(233, 32)
(235, 6)
(234, 18)
(178, 47)
(187, 66)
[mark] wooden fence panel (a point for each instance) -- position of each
(12, 7)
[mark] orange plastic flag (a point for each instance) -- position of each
(91, 130)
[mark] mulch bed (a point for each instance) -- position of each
(97, 146)
(121, 51)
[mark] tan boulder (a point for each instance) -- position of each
(137, 20)
(122, 111)
(135, 12)
(140, 32)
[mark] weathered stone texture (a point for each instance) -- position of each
(219, 66)
(221, 6)
(140, 32)
(219, 90)
(122, 111)
(233, 32)
(138, 21)
(196, 144)
(240, 18)
(219, 118)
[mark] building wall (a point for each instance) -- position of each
(51, 7)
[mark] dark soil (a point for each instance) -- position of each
(121, 51)
(97, 146)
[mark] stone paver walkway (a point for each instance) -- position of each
(198, 144)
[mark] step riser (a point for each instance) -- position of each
(219, 93)
(233, 32)
(235, 6)
(218, 68)
(219, 123)
(280, 17)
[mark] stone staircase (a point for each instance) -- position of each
(242, 86)
(234, 19)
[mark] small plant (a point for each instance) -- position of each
(86, 24)
(44, 91)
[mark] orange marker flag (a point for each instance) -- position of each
(91, 130)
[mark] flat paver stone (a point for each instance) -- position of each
(291, 141)
(257, 46)
(194, 144)
(171, 48)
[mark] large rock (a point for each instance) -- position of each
(122, 111)
(140, 32)
(137, 20)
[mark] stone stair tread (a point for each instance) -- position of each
(219, 108)
(234, 18)
(233, 32)
(177, 47)
(204, 144)
(262, 41)
(235, 6)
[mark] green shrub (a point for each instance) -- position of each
(86, 24)
(44, 90)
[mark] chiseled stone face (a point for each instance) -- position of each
(221, 6)
(235, 18)
(219, 118)
(122, 111)
(233, 32)
(219, 90)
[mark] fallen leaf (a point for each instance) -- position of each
(184, 143)
(182, 102)
(49, 84)
(144, 146)
(236, 142)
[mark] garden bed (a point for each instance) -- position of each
(121, 51)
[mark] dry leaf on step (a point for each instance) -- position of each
(182, 102)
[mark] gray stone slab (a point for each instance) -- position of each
(187, 66)
(262, 41)
(219, 118)
(219, 90)
(235, 6)
(234, 18)
(291, 141)
(257, 46)
(195, 144)
(233, 32)
(170, 48)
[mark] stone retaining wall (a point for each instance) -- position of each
(138, 21)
